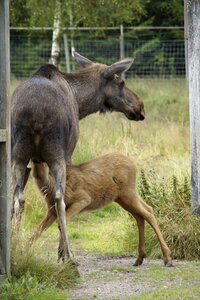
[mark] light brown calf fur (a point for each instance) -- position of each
(95, 184)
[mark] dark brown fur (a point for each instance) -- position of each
(95, 184)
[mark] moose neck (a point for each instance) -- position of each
(86, 86)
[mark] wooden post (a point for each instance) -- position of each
(4, 140)
(192, 15)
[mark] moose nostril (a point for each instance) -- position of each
(142, 117)
(142, 114)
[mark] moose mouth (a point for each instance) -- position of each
(135, 116)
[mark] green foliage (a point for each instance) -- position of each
(103, 13)
(29, 287)
(77, 13)
(98, 13)
(171, 202)
(38, 263)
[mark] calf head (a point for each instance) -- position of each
(114, 92)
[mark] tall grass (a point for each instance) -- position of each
(170, 199)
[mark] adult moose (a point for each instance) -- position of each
(45, 115)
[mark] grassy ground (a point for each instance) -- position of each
(179, 283)
(106, 277)
(160, 148)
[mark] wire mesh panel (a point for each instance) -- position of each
(28, 52)
(152, 58)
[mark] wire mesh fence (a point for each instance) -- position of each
(152, 57)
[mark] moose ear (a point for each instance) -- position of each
(81, 60)
(118, 67)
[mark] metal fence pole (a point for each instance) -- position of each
(121, 41)
(4, 140)
(186, 39)
(67, 59)
(122, 45)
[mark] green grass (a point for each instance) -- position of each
(28, 287)
(181, 282)
(160, 148)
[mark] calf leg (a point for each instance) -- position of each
(140, 224)
(45, 224)
(141, 246)
(135, 204)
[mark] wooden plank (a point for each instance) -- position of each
(5, 173)
(3, 134)
(192, 15)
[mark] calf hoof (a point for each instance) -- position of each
(74, 263)
(137, 263)
(169, 264)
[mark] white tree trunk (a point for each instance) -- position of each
(55, 50)
(192, 15)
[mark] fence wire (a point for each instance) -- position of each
(152, 58)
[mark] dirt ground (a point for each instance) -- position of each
(104, 277)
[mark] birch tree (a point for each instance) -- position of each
(55, 50)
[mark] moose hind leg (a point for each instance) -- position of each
(18, 172)
(58, 170)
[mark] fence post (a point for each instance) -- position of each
(186, 39)
(67, 59)
(193, 32)
(122, 45)
(4, 140)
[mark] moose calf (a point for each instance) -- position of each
(94, 184)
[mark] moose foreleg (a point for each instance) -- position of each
(80, 201)
(59, 172)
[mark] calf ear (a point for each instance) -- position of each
(81, 60)
(118, 67)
